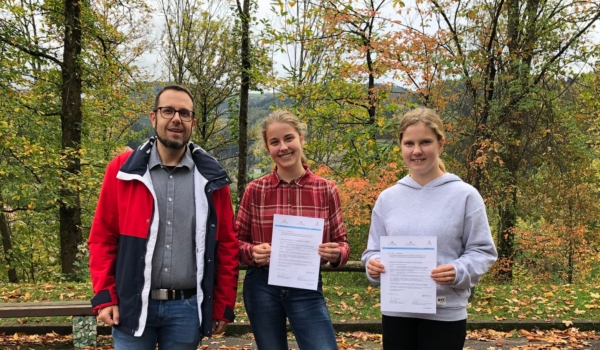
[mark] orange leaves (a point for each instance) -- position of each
(352, 341)
(36, 340)
(559, 250)
(62, 296)
(358, 195)
(570, 338)
(364, 336)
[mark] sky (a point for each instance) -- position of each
(152, 61)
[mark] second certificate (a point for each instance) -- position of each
(406, 285)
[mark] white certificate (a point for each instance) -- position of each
(406, 285)
(295, 256)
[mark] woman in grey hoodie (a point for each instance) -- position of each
(431, 202)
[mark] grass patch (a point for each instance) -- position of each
(361, 302)
(350, 297)
(61, 291)
(43, 292)
(536, 302)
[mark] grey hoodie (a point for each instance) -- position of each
(453, 211)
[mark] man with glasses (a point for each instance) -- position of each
(163, 250)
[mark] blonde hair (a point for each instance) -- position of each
(282, 116)
(428, 117)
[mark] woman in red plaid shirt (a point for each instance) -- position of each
(291, 189)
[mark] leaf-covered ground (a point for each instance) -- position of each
(566, 303)
(476, 340)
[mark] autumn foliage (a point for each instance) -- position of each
(516, 82)
(358, 196)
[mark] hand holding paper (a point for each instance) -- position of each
(444, 274)
(375, 268)
(330, 251)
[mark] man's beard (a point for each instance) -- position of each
(170, 143)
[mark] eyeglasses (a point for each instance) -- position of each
(169, 113)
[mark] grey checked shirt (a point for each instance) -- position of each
(174, 259)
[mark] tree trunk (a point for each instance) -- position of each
(71, 119)
(244, 13)
(508, 207)
(7, 245)
(570, 262)
(571, 247)
(506, 228)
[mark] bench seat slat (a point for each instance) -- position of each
(46, 309)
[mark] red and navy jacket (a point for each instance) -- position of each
(124, 232)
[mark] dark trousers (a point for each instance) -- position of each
(400, 333)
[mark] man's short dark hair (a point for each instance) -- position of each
(171, 87)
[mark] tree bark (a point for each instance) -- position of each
(71, 120)
(7, 246)
(242, 180)
(506, 239)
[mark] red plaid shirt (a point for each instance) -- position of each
(310, 196)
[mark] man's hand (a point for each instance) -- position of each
(375, 268)
(218, 327)
(109, 315)
(261, 254)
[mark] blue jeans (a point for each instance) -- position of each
(268, 306)
(172, 324)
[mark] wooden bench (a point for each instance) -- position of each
(84, 320)
(351, 266)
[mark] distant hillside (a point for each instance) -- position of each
(259, 106)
